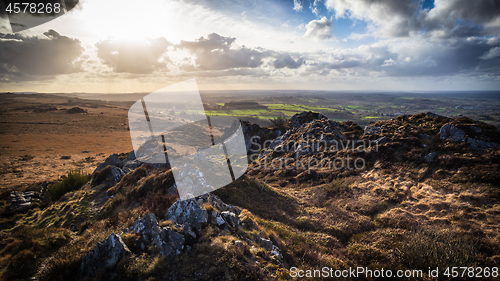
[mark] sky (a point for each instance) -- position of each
(111, 46)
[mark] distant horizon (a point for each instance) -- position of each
(273, 90)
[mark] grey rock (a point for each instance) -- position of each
(372, 130)
(444, 131)
(116, 174)
(22, 200)
(187, 211)
(189, 234)
(476, 129)
(168, 241)
(216, 218)
(451, 132)
(220, 205)
(276, 254)
(112, 160)
(264, 243)
(132, 164)
(131, 155)
(172, 242)
(147, 228)
(105, 254)
(429, 157)
(480, 144)
(232, 219)
(238, 243)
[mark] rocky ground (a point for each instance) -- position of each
(412, 192)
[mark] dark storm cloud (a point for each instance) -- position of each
(25, 58)
(215, 53)
(136, 57)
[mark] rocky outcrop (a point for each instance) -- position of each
(105, 254)
(187, 212)
(474, 135)
(169, 242)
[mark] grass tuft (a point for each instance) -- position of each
(73, 181)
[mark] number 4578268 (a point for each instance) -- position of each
(33, 8)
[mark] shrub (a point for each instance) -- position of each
(73, 181)
(279, 122)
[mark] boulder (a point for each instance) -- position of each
(451, 132)
(172, 242)
(105, 254)
(187, 211)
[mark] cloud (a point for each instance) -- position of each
(136, 57)
(412, 58)
(314, 7)
(403, 18)
(319, 29)
(24, 58)
(289, 62)
(297, 6)
(491, 54)
(217, 53)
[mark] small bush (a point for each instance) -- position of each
(280, 123)
(73, 181)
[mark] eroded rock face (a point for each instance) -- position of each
(105, 254)
(187, 211)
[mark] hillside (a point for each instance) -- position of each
(410, 193)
